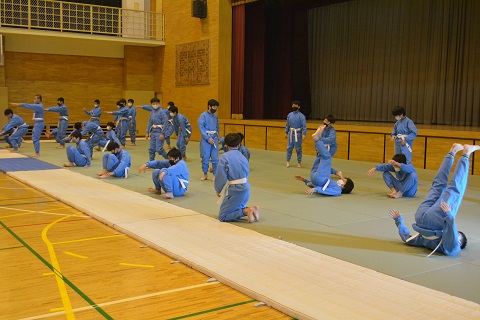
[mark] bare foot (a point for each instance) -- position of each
(97, 148)
(213, 178)
(14, 151)
(8, 146)
(153, 190)
(102, 173)
(36, 155)
(184, 158)
(456, 147)
(61, 147)
(288, 164)
(249, 213)
(103, 176)
(256, 212)
(167, 195)
(68, 164)
(204, 178)
(48, 134)
(317, 134)
(299, 165)
(133, 144)
(397, 195)
(390, 195)
(468, 149)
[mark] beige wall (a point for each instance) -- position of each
(181, 28)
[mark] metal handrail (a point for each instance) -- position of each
(84, 18)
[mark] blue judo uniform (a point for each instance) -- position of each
(118, 163)
(95, 133)
(404, 127)
(60, 132)
(132, 123)
(320, 173)
(296, 128)
(121, 123)
(157, 125)
(80, 155)
(170, 120)
(175, 179)
(39, 123)
(232, 169)
(14, 130)
(95, 114)
(183, 129)
(405, 180)
(433, 225)
(110, 136)
(209, 128)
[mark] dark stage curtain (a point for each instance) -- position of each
(238, 59)
(368, 56)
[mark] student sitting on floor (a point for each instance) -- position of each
(115, 164)
(79, 156)
(110, 136)
(170, 175)
(14, 130)
(405, 181)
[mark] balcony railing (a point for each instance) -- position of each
(82, 18)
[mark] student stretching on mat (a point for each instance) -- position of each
(405, 181)
(170, 175)
(435, 217)
(79, 156)
(232, 173)
(320, 174)
(115, 164)
(14, 130)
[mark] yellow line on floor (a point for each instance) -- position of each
(48, 315)
(136, 265)
(25, 212)
(89, 239)
(75, 255)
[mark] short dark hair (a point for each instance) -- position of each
(241, 136)
(39, 96)
(119, 103)
(174, 109)
(111, 124)
(61, 99)
(123, 101)
(398, 111)
(330, 118)
(131, 100)
(233, 140)
(171, 103)
(174, 153)
(348, 187)
(213, 103)
(7, 112)
(78, 125)
(400, 157)
(112, 146)
(154, 100)
(463, 244)
(76, 134)
(96, 101)
(297, 102)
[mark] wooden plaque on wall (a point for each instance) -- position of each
(192, 63)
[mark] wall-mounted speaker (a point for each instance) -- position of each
(199, 8)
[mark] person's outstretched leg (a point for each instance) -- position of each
(439, 182)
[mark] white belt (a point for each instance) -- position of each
(171, 121)
(294, 131)
(157, 126)
(63, 117)
(225, 188)
(123, 119)
(189, 132)
(183, 183)
(38, 119)
(328, 147)
(428, 238)
(406, 143)
(25, 124)
(326, 185)
(211, 132)
(98, 118)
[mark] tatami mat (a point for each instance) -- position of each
(298, 281)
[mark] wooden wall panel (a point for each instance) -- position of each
(139, 64)
(308, 146)
(79, 80)
(476, 161)
(366, 147)
(2, 76)
(234, 128)
(342, 142)
(437, 148)
(276, 139)
(418, 156)
(255, 137)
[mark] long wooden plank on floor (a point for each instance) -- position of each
(297, 281)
